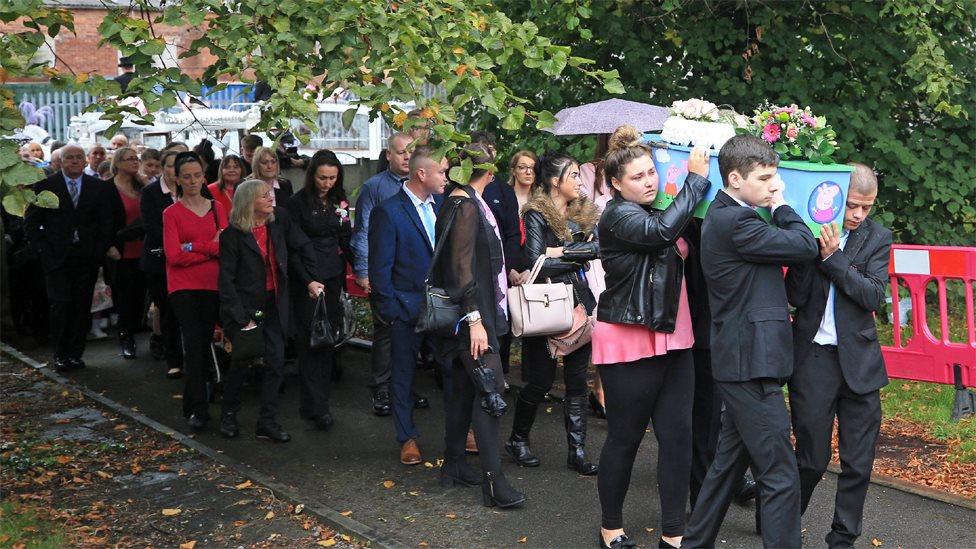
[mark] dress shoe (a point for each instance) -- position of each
(619, 542)
(382, 405)
(174, 373)
(196, 422)
(324, 422)
(271, 431)
(76, 363)
(157, 348)
(128, 344)
(497, 492)
(455, 472)
(471, 445)
(61, 365)
(410, 453)
(598, 410)
(420, 401)
(228, 425)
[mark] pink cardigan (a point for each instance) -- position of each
(616, 343)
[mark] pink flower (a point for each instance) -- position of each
(792, 132)
(770, 133)
(808, 120)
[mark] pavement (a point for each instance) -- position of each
(348, 468)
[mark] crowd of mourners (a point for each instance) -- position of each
(690, 324)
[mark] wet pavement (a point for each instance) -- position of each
(347, 469)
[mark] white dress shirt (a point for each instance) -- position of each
(827, 333)
(420, 205)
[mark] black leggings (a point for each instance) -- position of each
(463, 409)
(197, 312)
(657, 389)
(129, 294)
(542, 370)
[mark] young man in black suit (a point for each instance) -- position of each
(838, 368)
(71, 241)
(751, 342)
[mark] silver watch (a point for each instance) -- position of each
(473, 317)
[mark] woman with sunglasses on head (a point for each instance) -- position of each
(643, 335)
(191, 244)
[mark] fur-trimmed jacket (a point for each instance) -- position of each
(545, 228)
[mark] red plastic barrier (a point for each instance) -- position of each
(924, 357)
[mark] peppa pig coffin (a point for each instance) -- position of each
(817, 192)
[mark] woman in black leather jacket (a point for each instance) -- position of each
(559, 225)
(322, 212)
(643, 335)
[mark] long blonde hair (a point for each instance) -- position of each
(242, 208)
(260, 153)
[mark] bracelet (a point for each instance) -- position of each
(473, 322)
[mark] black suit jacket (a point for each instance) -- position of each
(151, 205)
(284, 192)
(859, 273)
(742, 259)
(328, 233)
(51, 230)
(502, 202)
(701, 317)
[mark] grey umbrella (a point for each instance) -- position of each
(607, 116)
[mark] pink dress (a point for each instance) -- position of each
(615, 343)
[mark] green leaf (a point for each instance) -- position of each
(16, 201)
(8, 154)
(462, 173)
(514, 119)
(21, 174)
(47, 199)
(348, 116)
(613, 86)
(546, 120)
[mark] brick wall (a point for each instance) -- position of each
(81, 52)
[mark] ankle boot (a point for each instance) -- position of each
(575, 419)
(455, 472)
(517, 445)
(128, 344)
(496, 491)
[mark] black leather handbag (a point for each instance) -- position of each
(438, 315)
(321, 334)
(247, 345)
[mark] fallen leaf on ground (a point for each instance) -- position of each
(422, 544)
(243, 485)
(120, 427)
(269, 516)
(428, 465)
(171, 512)
(103, 474)
(523, 539)
(239, 523)
(136, 469)
(451, 516)
(876, 542)
(188, 545)
(299, 508)
(326, 542)
(63, 460)
(388, 484)
(346, 513)
(649, 530)
(414, 493)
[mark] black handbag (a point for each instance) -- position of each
(347, 322)
(438, 315)
(321, 333)
(247, 345)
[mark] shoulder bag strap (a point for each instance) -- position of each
(440, 244)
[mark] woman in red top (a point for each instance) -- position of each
(191, 244)
(128, 280)
(229, 174)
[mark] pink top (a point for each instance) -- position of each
(616, 343)
(131, 249)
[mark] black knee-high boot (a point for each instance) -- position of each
(574, 417)
(517, 445)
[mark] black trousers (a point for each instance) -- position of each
(128, 293)
(658, 390)
(197, 312)
(756, 427)
(380, 354)
(29, 306)
(505, 351)
(542, 370)
(274, 367)
(706, 421)
(168, 324)
(818, 393)
(69, 291)
(463, 410)
(315, 365)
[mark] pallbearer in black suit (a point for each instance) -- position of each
(751, 342)
(71, 241)
(838, 365)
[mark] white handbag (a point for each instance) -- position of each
(540, 309)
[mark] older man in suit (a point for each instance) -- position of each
(71, 241)
(401, 244)
(837, 358)
(751, 342)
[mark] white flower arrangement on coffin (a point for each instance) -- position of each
(696, 122)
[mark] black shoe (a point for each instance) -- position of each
(76, 363)
(619, 542)
(455, 472)
(382, 406)
(272, 431)
(517, 445)
(661, 544)
(758, 518)
(196, 422)
(520, 452)
(228, 425)
(575, 421)
(497, 492)
(598, 410)
(157, 349)
(62, 365)
(128, 346)
(747, 490)
(324, 422)
(420, 401)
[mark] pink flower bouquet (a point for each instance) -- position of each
(795, 133)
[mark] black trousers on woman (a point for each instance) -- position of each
(196, 311)
(463, 409)
(315, 365)
(542, 370)
(274, 368)
(168, 324)
(660, 390)
(128, 294)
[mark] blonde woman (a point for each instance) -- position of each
(267, 168)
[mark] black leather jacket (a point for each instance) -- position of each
(575, 231)
(641, 261)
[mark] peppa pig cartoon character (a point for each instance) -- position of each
(671, 181)
(824, 204)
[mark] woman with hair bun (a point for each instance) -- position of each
(559, 226)
(643, 335)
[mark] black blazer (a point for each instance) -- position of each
(51, 230)
(743, 259)
(241, 282)
(502, 202)
(701, 316)
(284, 192)
(152, 204)
(328, 232)
(859, 273)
